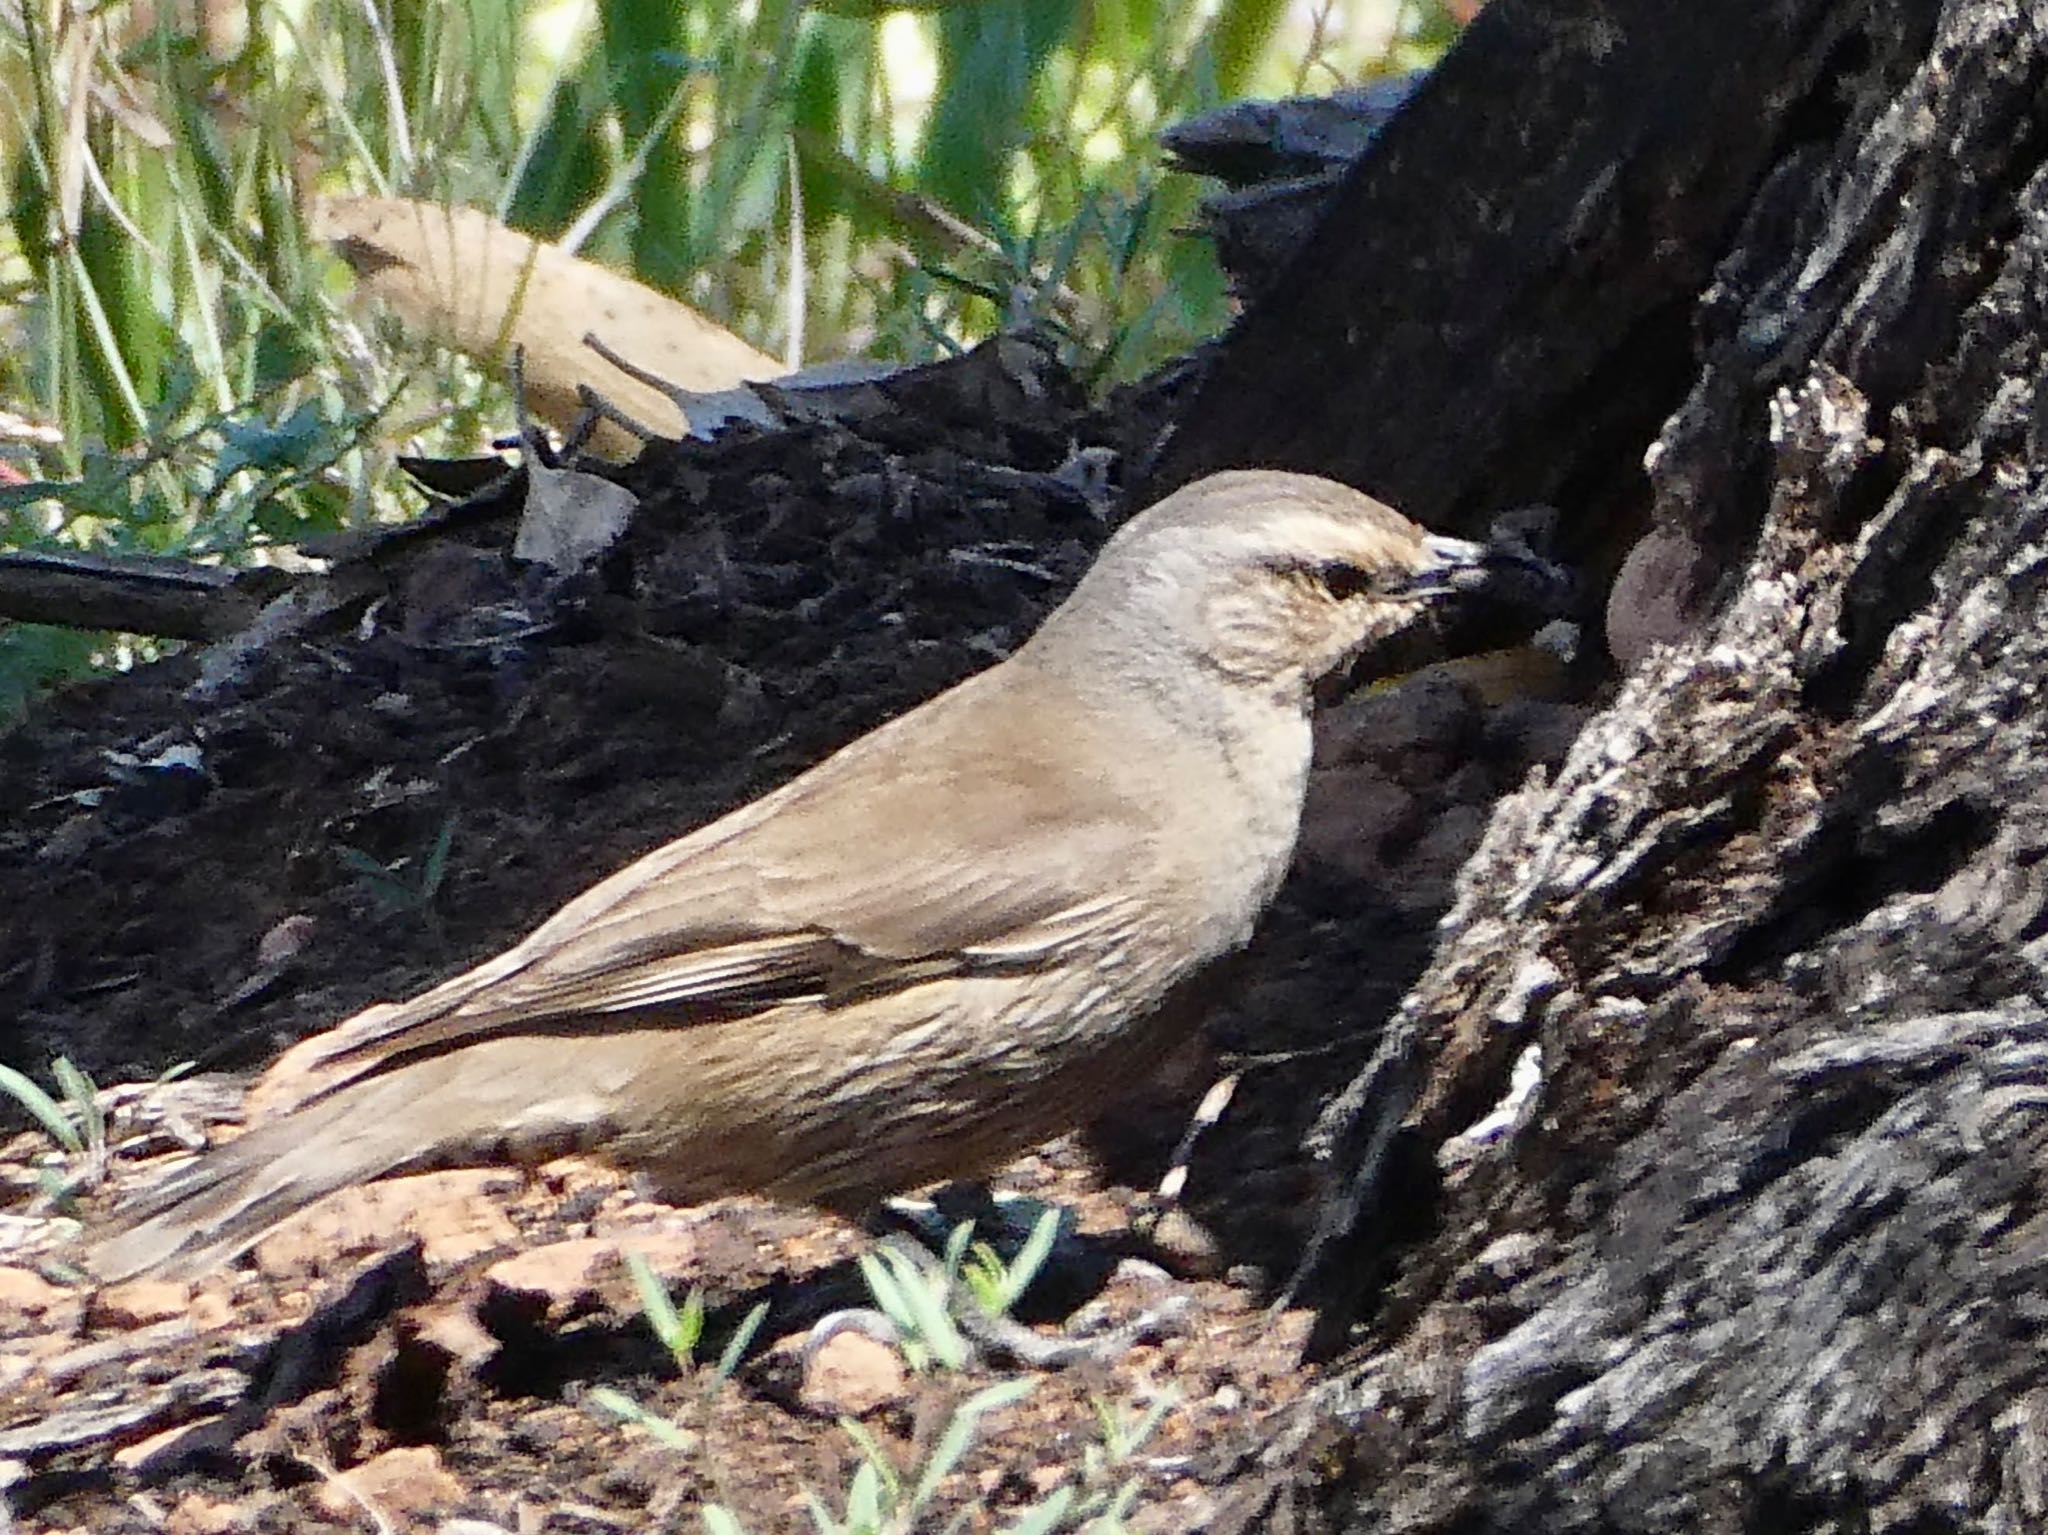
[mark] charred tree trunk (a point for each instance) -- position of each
(1765, 1246)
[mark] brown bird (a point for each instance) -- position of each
(939, 946)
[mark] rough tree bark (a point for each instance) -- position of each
(1499, 307)
(1766, 1247)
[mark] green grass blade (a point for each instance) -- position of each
(44, 1109)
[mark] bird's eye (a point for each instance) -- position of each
(1344, 580)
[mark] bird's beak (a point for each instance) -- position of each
(1448, 565)
(1504, 565)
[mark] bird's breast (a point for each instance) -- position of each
(1248, 842)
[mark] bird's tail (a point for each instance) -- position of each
(408, 1120)
(224, 1202)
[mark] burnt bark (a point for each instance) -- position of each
(1764, 1245)
(1499, 307)
(176, 599)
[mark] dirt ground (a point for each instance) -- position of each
(224, 852)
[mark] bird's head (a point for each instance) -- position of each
(1272, 579)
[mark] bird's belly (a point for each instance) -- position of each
(840, 1109)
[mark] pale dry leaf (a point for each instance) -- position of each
(475, 285)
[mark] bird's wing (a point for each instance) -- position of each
(903, 858)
